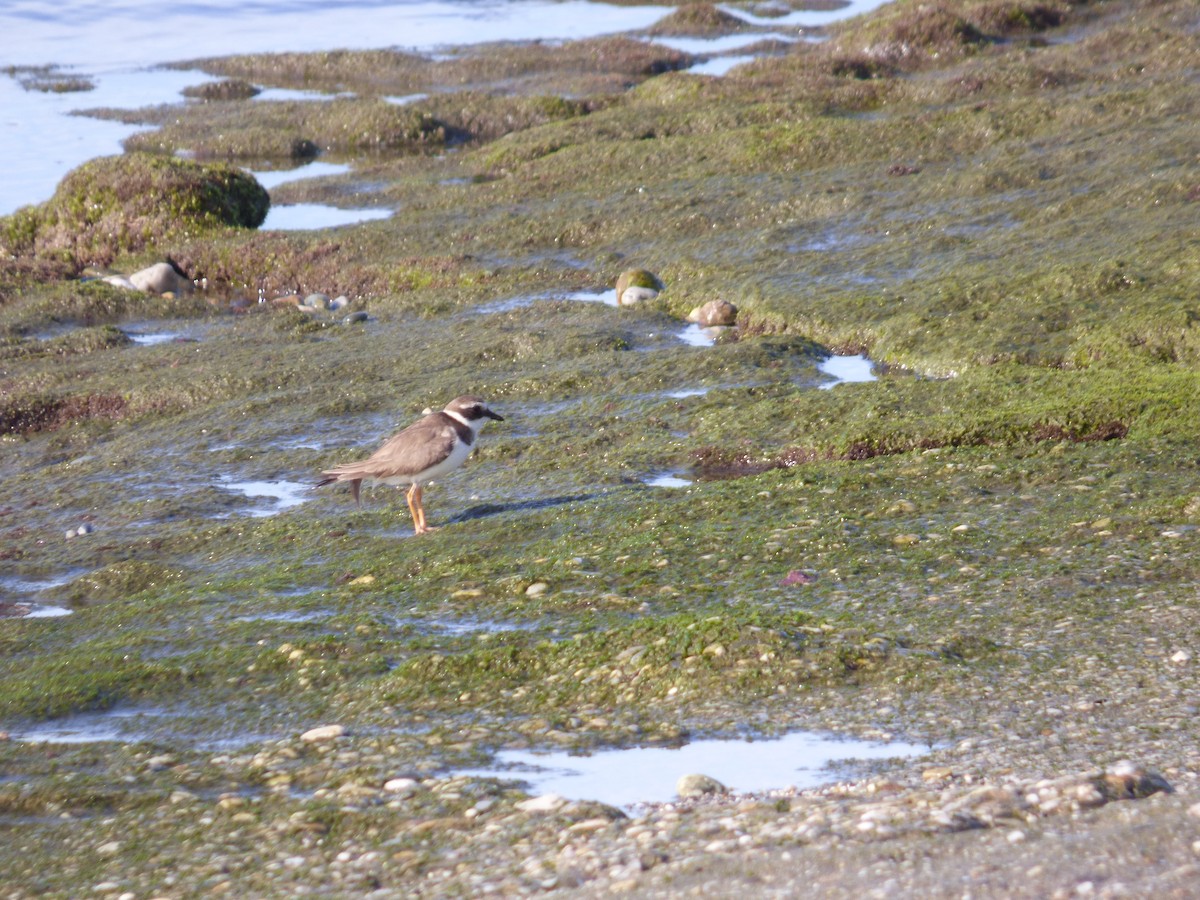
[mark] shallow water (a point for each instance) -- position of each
(308, 216)
(597, 295)
(668, 481)
(695, 336)
(720, 65)
(317, 169)
(649, 774)
(283, 494)
(83, 728)
(847, 370)
(116, 44)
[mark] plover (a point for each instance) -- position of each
(427, 449)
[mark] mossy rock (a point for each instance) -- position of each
(116, 582)
(639, 278)
(227, 89)
(696, 19)
(123, 204)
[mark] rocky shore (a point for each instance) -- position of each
(215, 681)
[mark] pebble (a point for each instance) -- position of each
(316, 301)
(159, 278)
(355, 317)
(632, 296)
(1181, 656)
(80, 531)
(544, 804)
(537, 589)
(323, 733)
(401, 785)
(698, 785)
(713, 314)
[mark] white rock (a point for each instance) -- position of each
(537, 589)
(632, 296)
(400, 785)
(157, 279)
(121, 281)
(544, 803)
(1181, 656)
(323, 733)
(698, 786)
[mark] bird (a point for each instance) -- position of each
(430, 447)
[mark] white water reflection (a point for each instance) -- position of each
(592, 295)
(276, 177)
(696, 336)
(84, 728)
(150, 339)
(311, 216)
(668, 481)
(806, 18)
(284, 494)
(720, 65)
(649, 774)
(698, 46)
(847, 369)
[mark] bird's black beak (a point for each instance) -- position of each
(492, 415)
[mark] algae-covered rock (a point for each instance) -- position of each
(118, 204)
(639, 285)
(696, 19)
(116, 581)
(224, 90)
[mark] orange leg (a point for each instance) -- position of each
(417, 509)
(413, 496)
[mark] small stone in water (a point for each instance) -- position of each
(544, 803)
(323, 733)
(697, 785)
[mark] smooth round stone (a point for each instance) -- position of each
(537, 589)
(339, 302)
(632, 296)
(317, 301)
(159, 278)
(545, 803)
(323, 733)
(354, 318)
(714, 313)
(698, 785)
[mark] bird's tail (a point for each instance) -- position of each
(331, 477)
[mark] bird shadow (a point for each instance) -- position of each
(484, 510)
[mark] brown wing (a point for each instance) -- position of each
(416, 448)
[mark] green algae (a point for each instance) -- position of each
(123, 204)
(914, 553)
